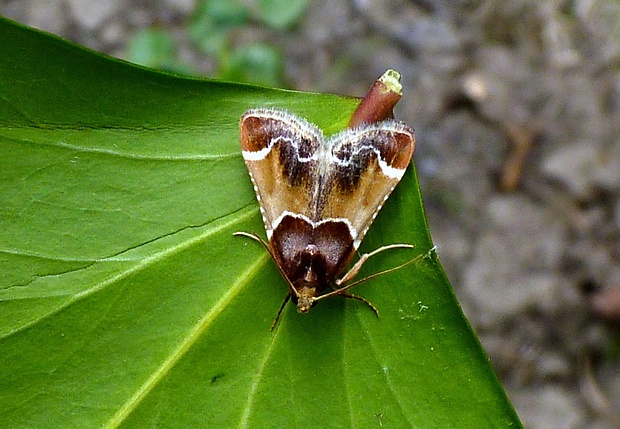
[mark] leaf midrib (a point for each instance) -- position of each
(193, 336)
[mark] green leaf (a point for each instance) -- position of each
(281, 13)
(212, 23)
(126, 301)
(151, 47)
(155, 48)
(256, 63)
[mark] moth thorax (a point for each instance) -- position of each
(310, 270)
(310, 277)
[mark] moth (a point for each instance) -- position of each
(318, 196)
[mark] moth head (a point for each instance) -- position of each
(305, 298)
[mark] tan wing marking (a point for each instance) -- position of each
(367, 163)
(279, 150)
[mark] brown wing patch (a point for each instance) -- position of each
(366, 164)
(280, 151)
(311, 253)
(295, 170)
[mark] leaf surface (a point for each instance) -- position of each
(126, 301)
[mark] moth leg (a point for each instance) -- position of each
(360, 298)
(355, 269)
(342, 289)
(275, 321)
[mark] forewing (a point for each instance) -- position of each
(280, 151)
(362, 169)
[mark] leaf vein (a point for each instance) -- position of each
(386, 372)
(247, 410)
(182, 348)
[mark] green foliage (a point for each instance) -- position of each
(213, 29)
(255, 63)
(282, 13)
(154, 47)
(213, 23)
(126, 301)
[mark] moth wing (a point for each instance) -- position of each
(364, 166)
(280, 151)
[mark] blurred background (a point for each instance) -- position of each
(516, 106)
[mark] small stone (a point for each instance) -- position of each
(91, 15)
(47, 16)
(515, 262)
(181, 6)
(553, 365)
(113, 33)
(575, 166)
(607, 172)
(549, 407)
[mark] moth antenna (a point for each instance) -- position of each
(372, 276)
(255, 236)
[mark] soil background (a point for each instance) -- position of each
(516, 106)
